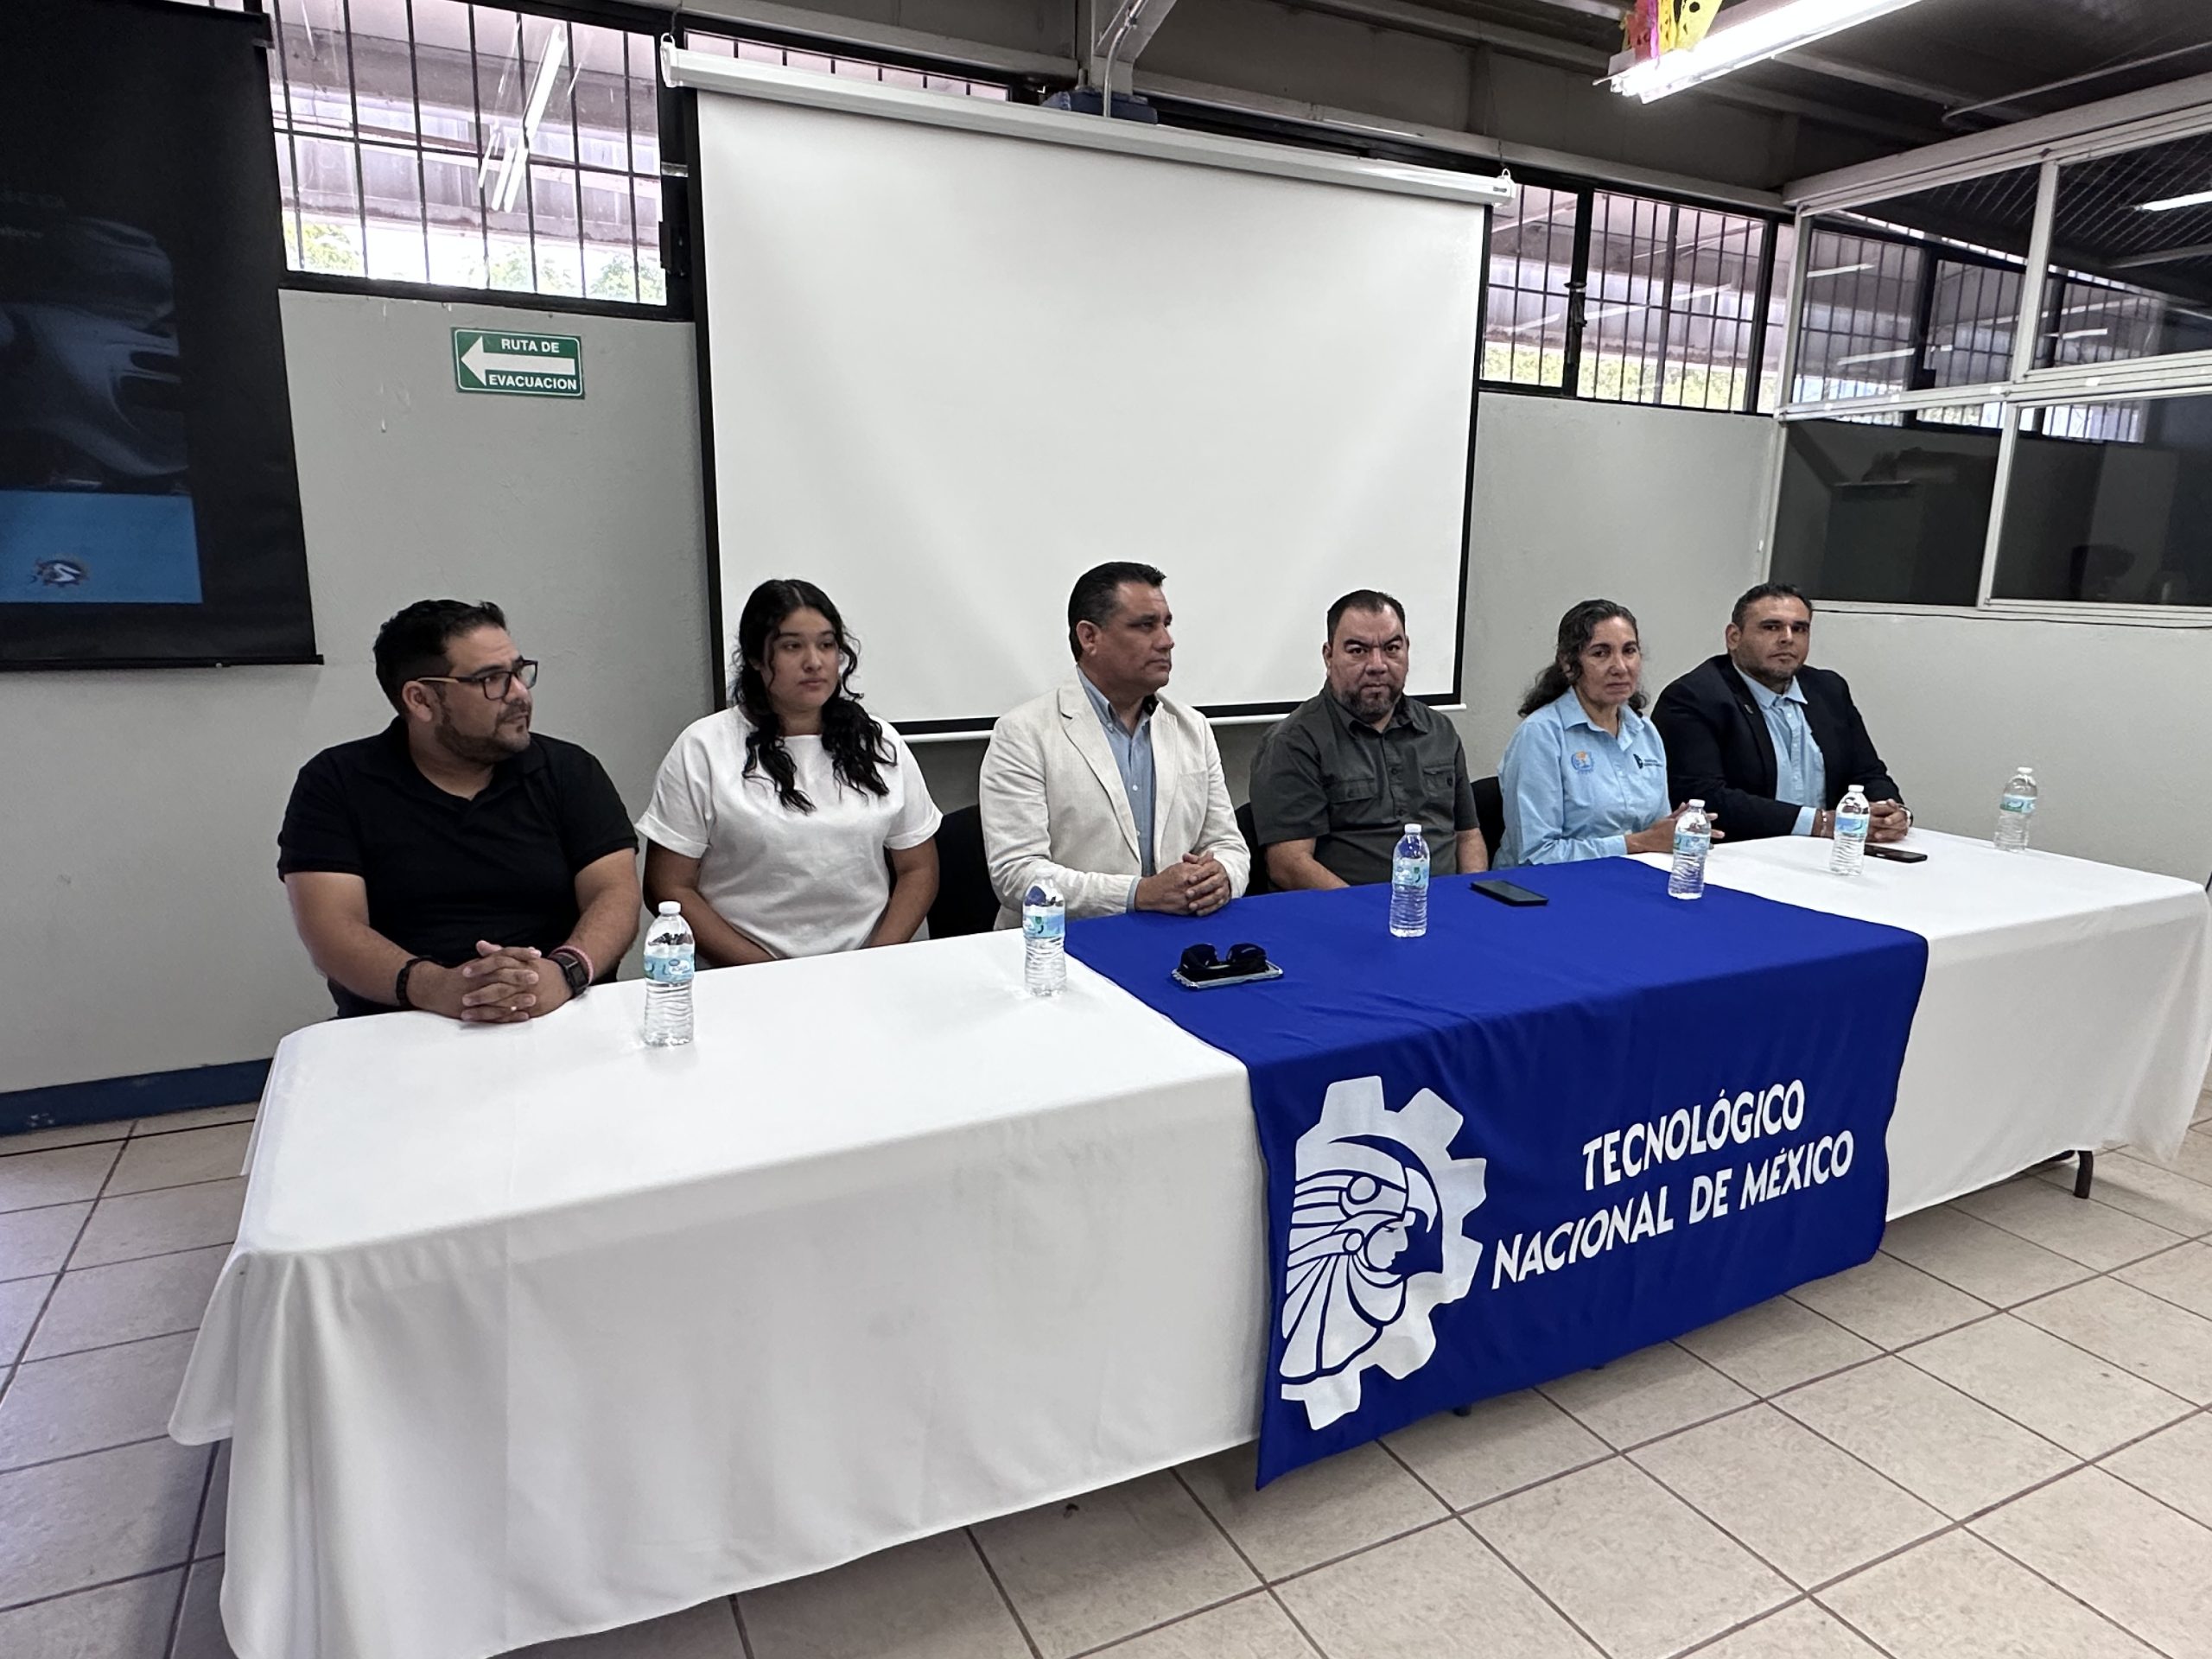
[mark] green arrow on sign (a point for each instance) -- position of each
(524, 365)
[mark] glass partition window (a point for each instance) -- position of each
(2135, 232)
(2111, 504)
(1855, 331)
(1885, 507)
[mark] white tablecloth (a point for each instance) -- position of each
(531, 1332)
(2068, 1006)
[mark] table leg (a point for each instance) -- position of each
(2088, 1173)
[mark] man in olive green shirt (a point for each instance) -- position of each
(1335, 785)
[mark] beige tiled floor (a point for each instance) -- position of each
(1993, 1442)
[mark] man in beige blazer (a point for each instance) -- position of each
(1106, 788)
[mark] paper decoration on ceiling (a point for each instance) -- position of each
(1655, 27)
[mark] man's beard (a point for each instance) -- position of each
(1369, 701)
(1767, 676)
(485, 751)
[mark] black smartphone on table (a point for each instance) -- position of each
(1507, 893)
(1896, 854)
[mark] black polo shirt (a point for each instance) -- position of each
(443, 872)
(1327, 776)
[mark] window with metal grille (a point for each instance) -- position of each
(468, 146)
(1673, 303)
(1531, 266)
(1627, 298)
(890, 74)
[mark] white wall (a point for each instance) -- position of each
(2113, 719)
(144, 925)
(1660, 509)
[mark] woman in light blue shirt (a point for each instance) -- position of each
(1586, 775)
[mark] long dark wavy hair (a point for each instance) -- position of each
(1566, 666)
(852, 737)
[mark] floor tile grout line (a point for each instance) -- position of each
(30, 1358)
(1756, 1555)
(2060, 1336)
(991, 1572)
(30, 1332)
(1534, 1589)
(2053, 1248)
(2034, 1572)
(2194, 1406)
(89, 1451)
(152, 1256)
(183, 1589)
(87, 1589)
(2098, 1463)
(1461, 1516)
(200, 1510)
(1152, 1628)
(1841, 1618)
(744, 1638)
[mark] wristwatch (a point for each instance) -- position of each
(573, 969)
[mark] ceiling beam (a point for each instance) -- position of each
(1410, 19)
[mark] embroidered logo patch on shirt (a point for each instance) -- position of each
(1580, 760)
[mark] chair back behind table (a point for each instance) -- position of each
(1490, 814)
(1249, 829)
(965, 903)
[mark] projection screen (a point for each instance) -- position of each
(955, 357)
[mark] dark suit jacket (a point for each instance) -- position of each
(1718, 750)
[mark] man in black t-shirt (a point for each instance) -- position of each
(456, 861)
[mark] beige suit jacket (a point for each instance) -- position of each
(1052, 803)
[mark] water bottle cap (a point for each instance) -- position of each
(1412, 828)
(669, 907)
(1695, 806)
(2027, 772)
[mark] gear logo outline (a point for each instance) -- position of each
(1376, 1243)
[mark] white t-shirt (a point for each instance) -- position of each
(804, 884)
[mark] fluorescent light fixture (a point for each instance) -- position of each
(1872, 357)
(2197, 199)
(1839, 271)
(2085, 333)
(1751, 33)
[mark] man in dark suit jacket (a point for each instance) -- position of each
(1767, 742)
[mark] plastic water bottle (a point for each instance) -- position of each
(1044, 942)
(669, 967)
(1409, 885)
(1854, 817)
(2014, 811)
(1692, 841)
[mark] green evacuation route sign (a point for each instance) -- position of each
(527, 365)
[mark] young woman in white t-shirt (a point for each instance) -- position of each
(793, 823)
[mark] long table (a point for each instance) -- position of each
(532, 1331)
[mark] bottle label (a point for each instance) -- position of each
(669, 967)
(2022, 804)
(1044, 923)
(1850, 826)
(1409, 873)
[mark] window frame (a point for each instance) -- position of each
(2025, 385)
(1586, 190)
(673, 168)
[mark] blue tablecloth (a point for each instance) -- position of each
(1536, 1140)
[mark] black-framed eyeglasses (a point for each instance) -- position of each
(493, 681)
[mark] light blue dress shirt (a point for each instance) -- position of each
(1801, 771)
(1574, 790)
(1133, 759)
